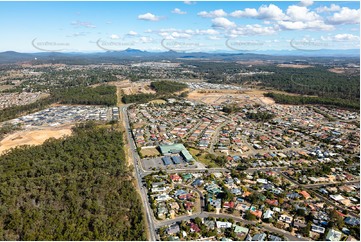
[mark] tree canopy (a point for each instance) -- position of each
(74, 188)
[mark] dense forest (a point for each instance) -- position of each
(138, 98)
(167, 86)
(100, 95)
(75, 188)
(296, 100)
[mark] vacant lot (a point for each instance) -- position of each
(158, 101)
(150, 152)
(337, 70)
(201, 157)
(129, 87)
(294, 66)
(230, 96)
(32, 137)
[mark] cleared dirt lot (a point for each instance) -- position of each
(32, 137)
(294, 66)
(129, 87)
(337, 70)
(158, 101)
(229, 96)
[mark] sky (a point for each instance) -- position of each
(179, 26)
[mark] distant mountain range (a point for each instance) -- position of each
(135, 54)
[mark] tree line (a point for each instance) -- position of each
(297, 100)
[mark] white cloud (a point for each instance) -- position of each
(345, 16)
(83, 24)
(346, 37)
(209, 32)
(248, 12)
(299, 18)
(114, 36)
(252, 29)
(223, 23)
(306, 3)
(271, 12)
(213, 14)
(213, 37)
(189, 2)
(180, 35)
(297, 13)
(149, 17)
(300, 25)
(332, 8)
(145, 39)
(178, 11)
(288, 25)
(132, 33)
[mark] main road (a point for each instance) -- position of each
(138, 174)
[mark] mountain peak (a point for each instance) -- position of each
(130, 50)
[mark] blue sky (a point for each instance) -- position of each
(179, 26)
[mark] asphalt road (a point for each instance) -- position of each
(136, 159)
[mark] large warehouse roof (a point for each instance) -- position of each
(176, 149)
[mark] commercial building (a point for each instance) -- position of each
(176, 149)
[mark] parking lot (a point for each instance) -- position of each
(157, 163)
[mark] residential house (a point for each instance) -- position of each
(240, 231)
(305, 195)
(223, 225)
(333, 235)
(274, 238)
(228, 205)
(268, 214)
(198, 182)
(173, 229)
(352, 221)
(317, 229)
(175, 178)
(285, 218)
(259, 237)
(194, 228)
(257, 213)
(210, 224)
